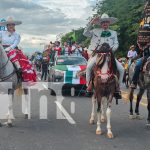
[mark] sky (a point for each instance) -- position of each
(44, 20)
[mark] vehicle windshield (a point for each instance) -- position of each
(71, 61)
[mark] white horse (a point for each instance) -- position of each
(8, 74)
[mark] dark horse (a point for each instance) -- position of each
(104, 85)
(144, 84)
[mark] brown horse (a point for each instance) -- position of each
(104, 84)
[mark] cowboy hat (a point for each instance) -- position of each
(10, 20)
(104, 17)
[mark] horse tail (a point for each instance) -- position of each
(19, 91)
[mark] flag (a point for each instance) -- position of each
(73, 36)
(70, 73)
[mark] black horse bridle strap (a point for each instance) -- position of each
(7, 77)
(4, 65)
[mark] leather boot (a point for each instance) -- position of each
(89, 90)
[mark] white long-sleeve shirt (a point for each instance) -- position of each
(96, 39)
(11, 39)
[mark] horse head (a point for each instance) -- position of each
(104, 54)
(103, 62)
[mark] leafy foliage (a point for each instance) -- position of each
(129, 14)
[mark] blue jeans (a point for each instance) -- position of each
(137, 70)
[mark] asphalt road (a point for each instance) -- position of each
(74, 131)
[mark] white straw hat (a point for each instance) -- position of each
(10, 20)
(105, 17)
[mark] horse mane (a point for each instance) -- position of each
(101, 60)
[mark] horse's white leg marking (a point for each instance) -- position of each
(27, 106)
(108, 114)
(93, 110)
(10, 109)
(103, 119)
(98, 130)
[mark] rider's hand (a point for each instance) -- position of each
(94, 20)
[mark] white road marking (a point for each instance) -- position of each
(65, 113)
(45, 86)
(39, 78)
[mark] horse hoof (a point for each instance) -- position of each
(26, 116)
(132, 117)
(110, 135)
(139, 117)
(91, 121)
(10, 125)
(148, 126)
(98, 132)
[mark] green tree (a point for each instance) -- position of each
(129, 14)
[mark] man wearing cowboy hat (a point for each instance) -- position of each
(98, 37)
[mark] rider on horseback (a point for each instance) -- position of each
(139, 63)
(99, 37)
(10, 40)
(143, 44)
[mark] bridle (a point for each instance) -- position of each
(109, 72)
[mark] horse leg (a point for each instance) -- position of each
(10, 108)
(93, 110)
(103, 119)
(127, 81)
(148, 107)
(98, 130)
(27, 111)
(131, 103)
(108, 114)
(139, 97)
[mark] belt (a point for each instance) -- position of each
(6, 46)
